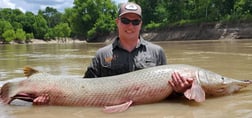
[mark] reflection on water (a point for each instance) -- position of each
(229, 58)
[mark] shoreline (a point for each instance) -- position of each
(203, 31)
(40, 41)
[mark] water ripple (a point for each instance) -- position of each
(220, 53)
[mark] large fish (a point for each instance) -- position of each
(118, 92)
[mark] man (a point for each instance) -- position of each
(128, 52)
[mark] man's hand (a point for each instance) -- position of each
(41, 100)
(180, 84)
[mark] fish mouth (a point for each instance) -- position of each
(22, 96)
(7, 96)
(245, 83)
(249, 81)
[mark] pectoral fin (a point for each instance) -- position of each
(118, 108)
(195, 92)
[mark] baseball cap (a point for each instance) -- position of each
(130, 7)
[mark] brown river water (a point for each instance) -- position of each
(231, 58)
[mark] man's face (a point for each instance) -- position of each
(129, 26)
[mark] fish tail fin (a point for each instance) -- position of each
(28, 71)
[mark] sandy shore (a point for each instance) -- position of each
(38, 41)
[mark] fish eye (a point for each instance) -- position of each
(222, 78)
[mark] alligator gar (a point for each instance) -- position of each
(118, 93)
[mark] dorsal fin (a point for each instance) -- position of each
(28, 71)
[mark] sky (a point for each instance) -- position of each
(35, 5)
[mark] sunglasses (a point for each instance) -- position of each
(127, 21)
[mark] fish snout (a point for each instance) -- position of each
(237, 85)
(227, 87)
(247, 81)
(244, 83)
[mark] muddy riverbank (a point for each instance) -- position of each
(204, 31)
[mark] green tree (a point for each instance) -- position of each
(9, 35)
(29, 36)
(88, 14)
(51, 15)
(243, 7)
(153, 11)
(17, 25)
(67, 17)
(20, 35)
(156, 13)
(103, 26)
(40, 27)
(62, 30)
(9, 14)
(12, 15)
(4, 25)
(50, 34)
(27, 20)
(65, 29)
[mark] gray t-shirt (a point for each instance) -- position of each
(113, 59)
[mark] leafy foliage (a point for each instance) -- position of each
(20, 35)
(170, 12)
(51, 15)
(62, 30)
(93, 17)
(9, 35)
(40, 27)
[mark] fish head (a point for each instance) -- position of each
(13, 90)
(216, 85)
